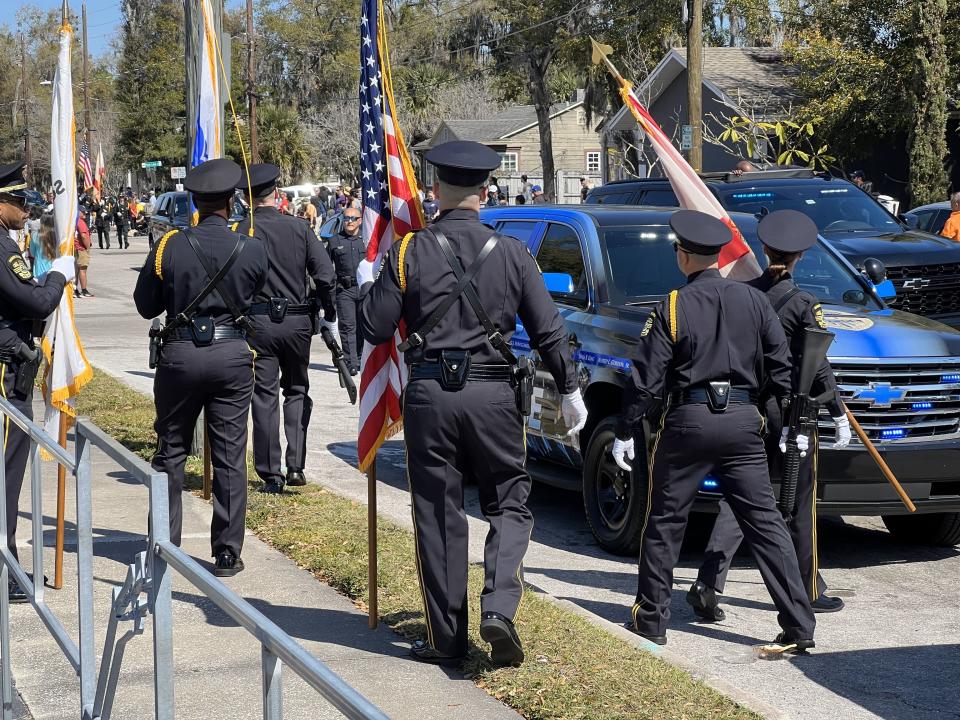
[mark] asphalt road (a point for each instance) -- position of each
(893, 653)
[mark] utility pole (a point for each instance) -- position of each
(25, 113)
(86, 82)
(251, 85)
(695, 83)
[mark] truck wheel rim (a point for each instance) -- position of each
(612, 493)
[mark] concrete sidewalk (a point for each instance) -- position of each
(217, 664)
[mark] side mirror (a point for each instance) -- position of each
(558, 282)
(875, 270)
(886, 290)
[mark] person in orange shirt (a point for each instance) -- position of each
(952, 227)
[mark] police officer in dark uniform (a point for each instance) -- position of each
(708, 349)
(785, 235)
(205, 362)
(23, 302)
(347, 250)
(461, 415)
(282, 320)
(121, 217)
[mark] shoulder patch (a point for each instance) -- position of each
(19, 267)
(648, 325)
(161, 246)
(818, 316)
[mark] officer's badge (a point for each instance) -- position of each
(818, 317)
(648, 325)
(19, 267)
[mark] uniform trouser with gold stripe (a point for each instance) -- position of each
(451, 435)
(16, 450)
(217, 379)
(727, 536)
(696, 442)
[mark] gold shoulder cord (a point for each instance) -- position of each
(158, 263)
(401, 261)
(673, 315)
(235, 226)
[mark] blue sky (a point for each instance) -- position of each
(103, 19)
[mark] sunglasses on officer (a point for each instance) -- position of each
(351, 218)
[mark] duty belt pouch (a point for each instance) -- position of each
(718, 396)
(278, 308)
(454, 369)
(26, 375)
(523, 375)
(201, 329)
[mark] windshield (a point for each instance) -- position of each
(180, 206)
(834, 207)
(642, 267)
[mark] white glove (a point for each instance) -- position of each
(574, 412)
(623, 448)
(803, 442)
(843, 431)
(332, 326)
(66, 266)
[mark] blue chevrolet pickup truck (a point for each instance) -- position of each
(607, 266)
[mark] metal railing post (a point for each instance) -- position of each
(161, 599)
(88, 681)
(272, 685)
(6, 675)
(36, 512)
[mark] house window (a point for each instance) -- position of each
(509, 162)
(581, 117)
(593, 162)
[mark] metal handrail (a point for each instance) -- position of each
(149, 574)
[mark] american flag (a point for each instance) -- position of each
(83, 162)
(391, 209)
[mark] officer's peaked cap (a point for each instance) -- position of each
(699, 233)
(463, 163)
(213, 179)
(787, 231)
(263, 179)
(13, 183)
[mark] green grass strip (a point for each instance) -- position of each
(573, 669)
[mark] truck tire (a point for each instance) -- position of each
(937, 529)
(614, 501)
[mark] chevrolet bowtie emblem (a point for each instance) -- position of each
(880, 394)
(915, 283)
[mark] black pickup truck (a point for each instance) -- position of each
(924, 268)
(899, 373)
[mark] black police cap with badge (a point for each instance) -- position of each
(698, 233)
(263, 179)
(787, 232)
(13, 184)
(213, 180)
(463, 163)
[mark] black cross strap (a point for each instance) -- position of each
(214, 278)
(784, 299)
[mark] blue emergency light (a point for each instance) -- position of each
(922, 406)
(710, 484)
(893, 434)
(951, 378)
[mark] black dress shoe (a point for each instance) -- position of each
(15, 593)
(792, 644)
(227, 565)
(827, 604)
(422, 652)
(703, 600)
(272, 487)
(295, 477)
(655, 639)
(505, 646)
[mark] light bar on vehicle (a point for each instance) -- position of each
(951, 378)
(751, 195)
(893, 434)
(922, 405)
(709, 484)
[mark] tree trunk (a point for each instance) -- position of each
(927, 142)
(542, 101)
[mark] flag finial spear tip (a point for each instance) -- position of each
(600, 51)
(66, 11)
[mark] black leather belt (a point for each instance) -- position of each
(264, 309)
(347, 283)
(220, 332)
(698, 396)
(478, 373)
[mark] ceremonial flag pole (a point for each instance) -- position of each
(391, 209)
(68, 369)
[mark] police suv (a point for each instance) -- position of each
(607, 267)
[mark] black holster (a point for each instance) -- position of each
(718, 395)
(523, 388)
(278, 308)
(27, 370)
(202, 329)
(155, 343)
(454, 369)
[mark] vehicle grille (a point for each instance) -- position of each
(926, 289)
(897, 403)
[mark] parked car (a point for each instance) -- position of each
(899, 373)
(172, 211)
(924, 268)
(929, 218)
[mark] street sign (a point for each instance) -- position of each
(151, 164)
(686, 138)
(178, 173)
